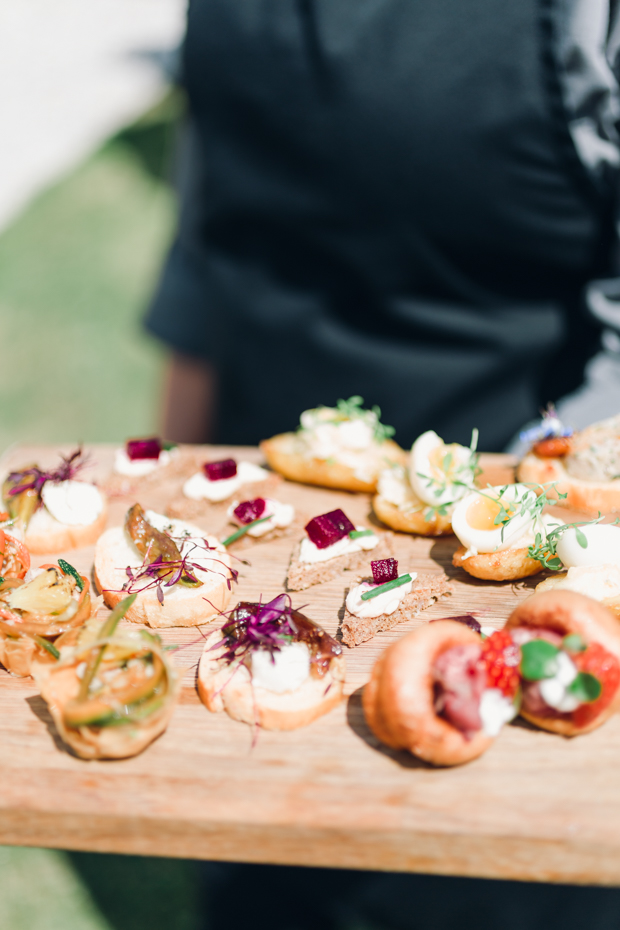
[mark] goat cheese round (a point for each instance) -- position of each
(284, 670)
(74, 503)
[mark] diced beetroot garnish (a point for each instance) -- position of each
(384, 570)
(328, 528)
(247, 511)
(216, 471)
(143, 448)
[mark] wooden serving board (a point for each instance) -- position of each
(535, 807)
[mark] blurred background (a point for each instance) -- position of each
(90, 116)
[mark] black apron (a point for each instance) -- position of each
(383, 199)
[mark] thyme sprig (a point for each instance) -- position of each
(463, 476)
(544, 549)
(352, 409)
(530, 505)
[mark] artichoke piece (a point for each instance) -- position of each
(50, 593)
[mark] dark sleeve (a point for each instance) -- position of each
(179, 313)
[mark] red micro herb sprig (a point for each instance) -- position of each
(33, 479)
(160, 573)
(258, 626)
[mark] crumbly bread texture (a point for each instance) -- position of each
(222, 689)
(588, 496)
(45, 534)
(59, 684)
(183, 606)
(184, 508)
(293, 531)
(398, 700)
(558, 582)
(427, 588)
(302, 575)
(283, 456)
(505, 565)
(411, 521)
(566, 612)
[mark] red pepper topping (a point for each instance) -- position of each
(384, 570)
(143, 448)
(501, 658)
(328, 528)
(247, 511)
(604, 666)
(553, 448)
(216, 471)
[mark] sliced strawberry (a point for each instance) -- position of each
(501, 658)
(604, 666)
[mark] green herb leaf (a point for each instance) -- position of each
(357, 534)
(243, 530)
(581, 538)
(375, 592)
(538, 659)
(1, 580)
(574, 642)
(70, 570)
(169, 446)
(585, 687)
(45, 644)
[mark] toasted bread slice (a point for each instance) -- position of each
(302, 575)
(427, 588)
(222, 687)
(411, 521)
(284, 455)
(45, 534)
(588, 496)
(505, 565)
(182, 606)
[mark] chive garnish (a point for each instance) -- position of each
(242, 530)
(375, 592)
(70, 570)
(45, 644)
(357, 534)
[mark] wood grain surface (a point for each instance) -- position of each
(535, 807)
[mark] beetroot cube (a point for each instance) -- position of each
(327, 529)
(384, 570)
(247, 511)
(143, 448)
(216, 471)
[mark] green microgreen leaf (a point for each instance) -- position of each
(243, 530)
(581, 538)
(538, 659)
(574, 642)
(45, 644)
(357, 534)
(1, 580)
(585, 687)
(380, 589)
(545, 550)
(169, 446)
(70, 570)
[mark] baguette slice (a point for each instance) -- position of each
(46, 534)
(222, 689)
(284, 455)
(183, 606)
(428, 587)
(570, 581)
(588, 496)
(302, 575)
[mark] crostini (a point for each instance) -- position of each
(333, 544)
(584, 467)
(386, 599)
(52, 511)
(258, 520)
(181, 575)
(343, 447)
(271, 666)
(210, 489)
(420, 498)
(113, 695)
(442, 693)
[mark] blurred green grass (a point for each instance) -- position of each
(76, 271)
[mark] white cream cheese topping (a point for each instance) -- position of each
(283, 670)
(599, 582)
(311, 553)
(495, 710)
(281, 516)
(380, 605)
(138, 468)
(74, 503)
(199, 487)
(554, 690)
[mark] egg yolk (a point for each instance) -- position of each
(482, 514)
(443, 459)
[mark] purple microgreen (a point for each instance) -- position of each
(242, 531)
(33, 479)
(375, 592)
(160, 595)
